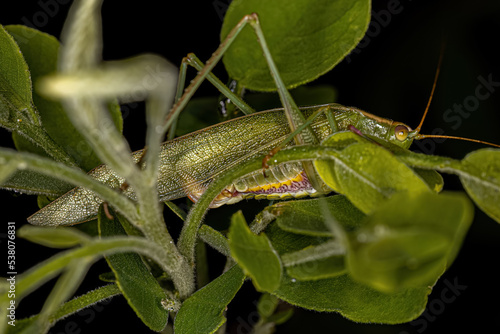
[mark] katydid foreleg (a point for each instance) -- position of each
(192, 60)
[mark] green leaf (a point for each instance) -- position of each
(6, 170)
(267, 305)
(40, 51)
(16, 104)
(71, 307)
(29, 182)
(306, 40)
(254, 254)
(316, 262)
(58, 237)
(90, 298)
(305, 216)
(482, 182)
(410, 240)
(202, 313)
(433, 179)
(354, 300)
(64, 288)
(342, 294)
(368, 175)
(326, 168)
(17, 112)
(140, 288)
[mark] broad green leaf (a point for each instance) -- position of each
(410, 240)
(143, 293)
(202, 313)
(58, 237)
(40, 51)
(342, 294)
(306, 217)
(369, 174)
(17, 112)
(16, 104)
(482, 181)
(354, 300)
(306, 39)
(254, 254)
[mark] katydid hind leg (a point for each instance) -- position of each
(294, 116)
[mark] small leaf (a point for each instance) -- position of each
(305, 216)
(58, 237)
(203, 312)
(410, 240)
(306, 40)
(280, 317)
(482, 180)
(254, 254)
(140, 288)
(267, 305)
(369, 174)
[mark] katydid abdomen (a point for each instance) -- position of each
(189, 164)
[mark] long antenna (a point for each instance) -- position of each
(419, 136)
(417, 130)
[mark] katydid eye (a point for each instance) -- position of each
(401, 132)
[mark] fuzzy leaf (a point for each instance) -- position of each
(482, 182)
(410, 240)
(254, 254)
(140, 288)
(202, 313)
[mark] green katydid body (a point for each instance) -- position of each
(189, 163)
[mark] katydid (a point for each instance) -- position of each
(188, 164)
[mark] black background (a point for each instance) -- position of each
(390, 76)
